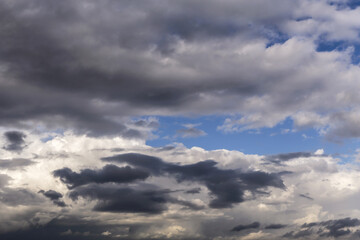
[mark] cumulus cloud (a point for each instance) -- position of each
(81, 80)
(178, 59)
(206, 198)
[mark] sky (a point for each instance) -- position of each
(180, 119)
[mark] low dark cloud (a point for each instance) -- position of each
(226, 185)
(339, 227)
(117, 199)
(16, 163)
(193, 191)
(245, 227)
(153, 164)
(298, 234)
(54, 197)
(109, 173)
(67, 228)
(332, 228)
(15, 141)
(276, 226)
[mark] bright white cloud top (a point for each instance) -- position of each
(103, 106)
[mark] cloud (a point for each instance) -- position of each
(18, 196)
(275, 226)
(190, 131)
(185, 196)
(306, 196)
(16, 163)
(109, 173)
(336, 227)
(95, 75)
(65, 228)
(244, 227)
(227, 186)
(150, 163)
(331, 228)
(15, 140)
(123, 199)
(193, 191)
(54, 197)
(4, 180)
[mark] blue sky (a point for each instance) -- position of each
(281, 138)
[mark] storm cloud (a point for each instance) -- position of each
(117, 199)
(109, 173)
(226, 185)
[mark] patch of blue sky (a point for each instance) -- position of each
(279, 139)
(327, 46)
(274, 36)
(352, 4)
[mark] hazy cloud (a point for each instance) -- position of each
(16, 163)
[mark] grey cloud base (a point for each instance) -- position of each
(91, 74)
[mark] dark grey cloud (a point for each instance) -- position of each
(150, 163)
(245, 227)
(94, 74)
(67, 228)
(70, 82)
(227, 186)
(15, 141)
(339, 227)
(298, 234)
(54, 197)
(16, 163)
(112, 198)
(276, 226)
(193, 191)
(109, 173)
(332, 228)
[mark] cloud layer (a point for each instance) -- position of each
(256, 60)
(84, 83)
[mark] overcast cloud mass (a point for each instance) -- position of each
(104, 104)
